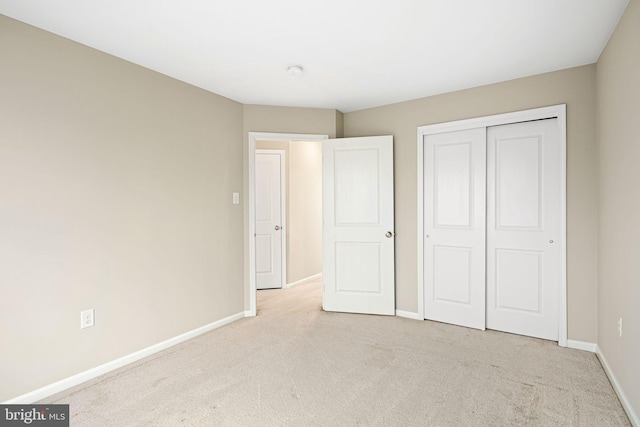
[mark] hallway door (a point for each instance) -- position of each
(269, 167)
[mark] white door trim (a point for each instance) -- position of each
(283, 208)
(250, 210)
(555, 111)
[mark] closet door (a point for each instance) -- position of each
(455, 181)
(523, 223)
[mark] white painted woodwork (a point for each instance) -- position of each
(454, 255)
(529, 261)
(358, 258)
(269, 226)
(523, 227)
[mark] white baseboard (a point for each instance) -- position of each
(582, 345)
(626, 404)
(87, 375)
(408, 315)
(303, 281)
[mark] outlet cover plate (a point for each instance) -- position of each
(87, 318)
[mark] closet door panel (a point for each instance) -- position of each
(455, 179)
(523, 219)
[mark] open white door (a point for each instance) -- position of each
(454, 254)
(358, 230)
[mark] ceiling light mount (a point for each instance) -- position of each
(295, 70)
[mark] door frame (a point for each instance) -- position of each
(250, 210)
(283, 209)
(554, 111)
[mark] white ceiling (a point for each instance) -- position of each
(355, 53)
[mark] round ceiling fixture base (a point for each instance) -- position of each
(295, 70)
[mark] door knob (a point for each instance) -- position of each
(277, 227)
(389, 234)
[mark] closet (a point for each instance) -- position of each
(493, 206)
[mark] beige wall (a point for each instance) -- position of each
(115, 194)
(262, 118)
(618, 94)
(575, 87)
(303, 183)
(339, 124)
(305, 216)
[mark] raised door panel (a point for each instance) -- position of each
(356, 177)
(519, 280)
(518, 182)
(452, 276)
(354, 272)
(264, 189)
(264, 252)
(453, 193)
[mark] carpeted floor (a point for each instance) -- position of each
(295, 365)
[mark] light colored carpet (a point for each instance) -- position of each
(295, 365)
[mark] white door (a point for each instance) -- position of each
(523, 225)
(454, 255)
(269, 225)
(358, 229)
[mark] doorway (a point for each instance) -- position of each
(358, 205)
(295, 146)
(466, 259)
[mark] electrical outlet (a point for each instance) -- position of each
(620, 327)
(87, 318)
